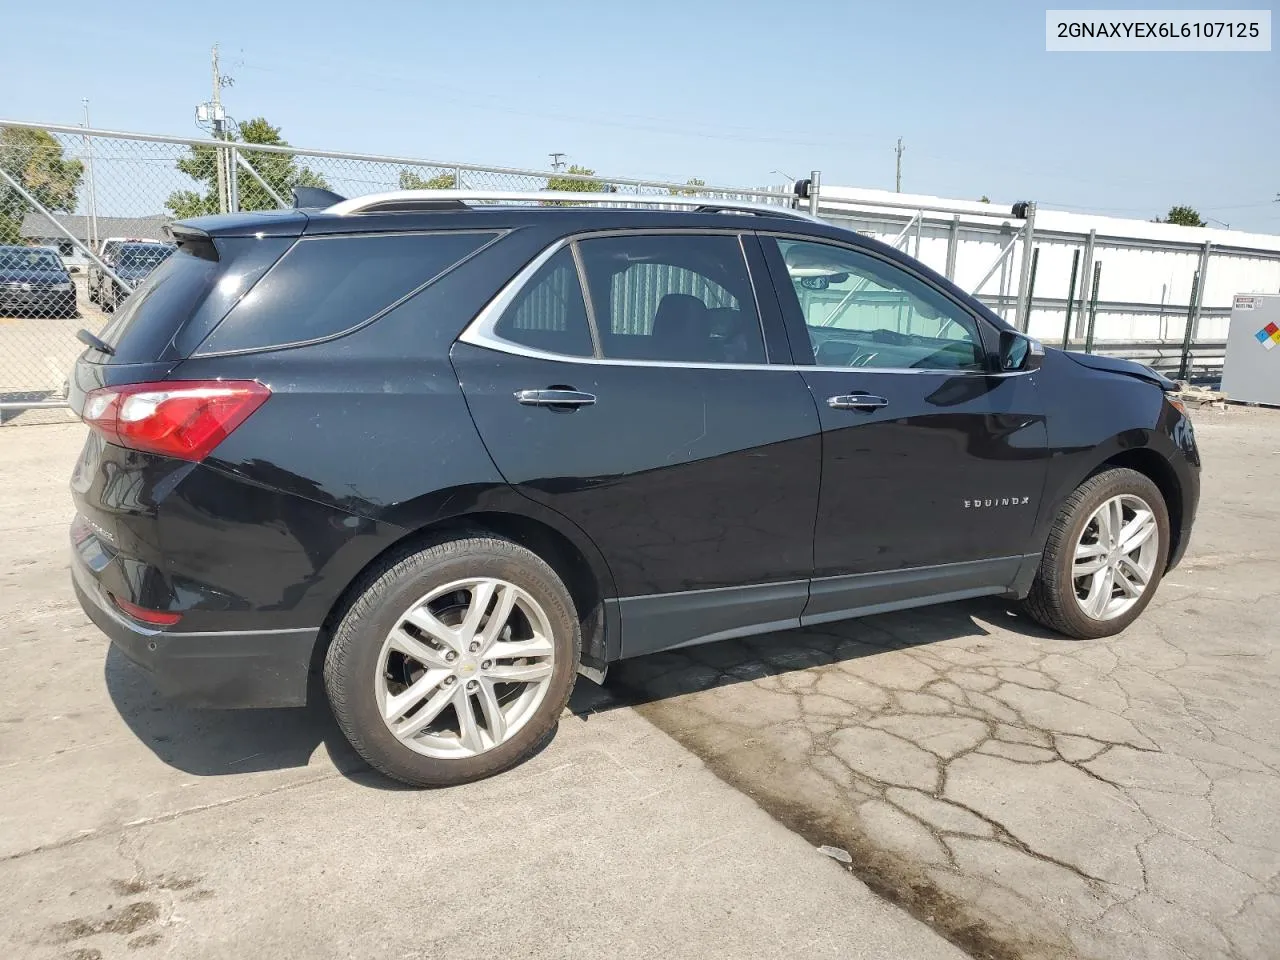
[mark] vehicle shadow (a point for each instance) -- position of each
(215, 743)
(212, 743)
(661, 676)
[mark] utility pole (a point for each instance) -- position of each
(557, 161)
(93, 187)
(219, 128)
(897, 179)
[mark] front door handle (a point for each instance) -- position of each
(571, 399)
(857, 401)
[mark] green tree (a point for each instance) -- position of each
(35, 159)
(1183, 216)
(441, 181)
(577, 186)
(280, 170)
(984, 199)
(693, 186)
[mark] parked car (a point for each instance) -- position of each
(98, 283)
(132, 263)
(33, 280)
(453, 453)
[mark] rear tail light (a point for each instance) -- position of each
(185, 419)
(157, 618)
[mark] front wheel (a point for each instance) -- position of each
(1104, 557)
(454, 662)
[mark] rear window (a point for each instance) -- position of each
(145, 254)
(325, 286)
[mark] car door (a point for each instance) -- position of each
(933, 462)
(647, 413)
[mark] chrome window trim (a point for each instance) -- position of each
(480, 331)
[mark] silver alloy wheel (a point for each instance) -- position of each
(1115, 557)
(464, 668)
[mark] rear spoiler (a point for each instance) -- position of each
(314, 197)
(193, 241)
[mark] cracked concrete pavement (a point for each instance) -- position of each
(130, 828)
(1029, 795)
(1023, 795)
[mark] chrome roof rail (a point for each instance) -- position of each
(399, 201)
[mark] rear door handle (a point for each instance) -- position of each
(555, 398)
(856, 401)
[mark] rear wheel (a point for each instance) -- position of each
(1105, 556)
(454, 662)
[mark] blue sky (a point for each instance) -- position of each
(725, 91)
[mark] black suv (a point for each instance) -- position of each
(452, 453)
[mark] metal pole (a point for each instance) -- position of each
(905, 230)
(919, 224)
(248, 168)
(1031, 288)
(93, 184)
(1202, 271)
(1023, 315)
(815, 183)
(1093, 308)
(1193, 310)
(953, 241)
(67, 233)
(233, 179)
(1086, 265)
(1071, 298)
(995, 266)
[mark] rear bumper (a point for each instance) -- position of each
(264, 668)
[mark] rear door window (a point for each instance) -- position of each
(684, 298)
(325, 286)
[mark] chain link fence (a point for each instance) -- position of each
(83, 215)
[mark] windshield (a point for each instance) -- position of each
(145, 254)
(18, 259)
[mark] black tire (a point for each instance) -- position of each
(383, 595)
(1052, 600)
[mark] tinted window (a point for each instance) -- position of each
(549, 313)
(863, 312)
(145, 322)
(329, 285)
(683, 298)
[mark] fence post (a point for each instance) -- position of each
(1023, 316)
(1093, 307)
(953, 241)
(1031, 289)
(1071, 298)
(1193, 311)
(815, 182)
(233, 180)
(1085, 267)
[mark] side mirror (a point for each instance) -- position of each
(1019, 352)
